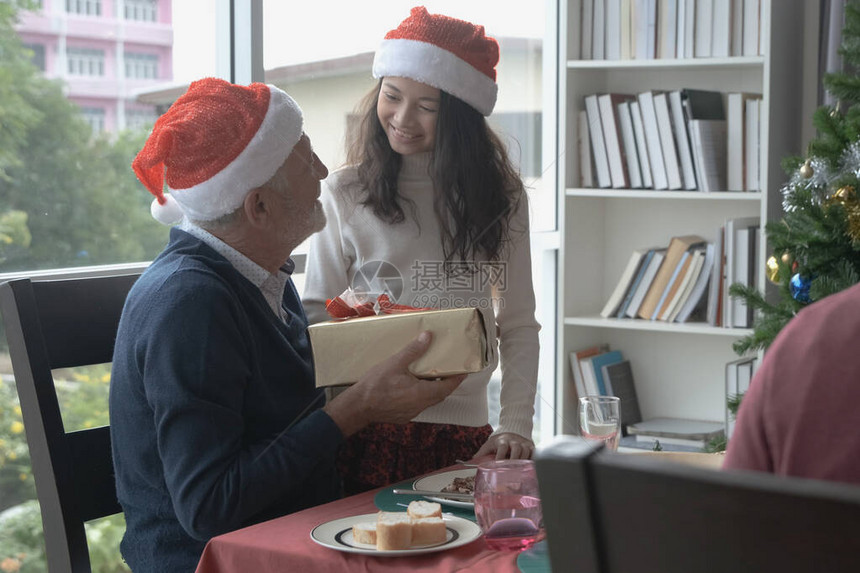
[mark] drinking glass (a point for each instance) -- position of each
(507, 504)
(599, 419)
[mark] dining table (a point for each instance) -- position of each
(285, 543)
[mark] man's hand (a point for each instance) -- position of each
(389, 393)
(507, 445)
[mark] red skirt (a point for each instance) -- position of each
(383, 454)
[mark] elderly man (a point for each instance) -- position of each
(215, 419)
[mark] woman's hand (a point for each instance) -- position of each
(507, 445)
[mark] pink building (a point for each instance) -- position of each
(103, 50)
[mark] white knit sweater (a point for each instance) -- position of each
(354, 238)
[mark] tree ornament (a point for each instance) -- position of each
(794, 266)
(806, 169)
(799, 288)
(785, 258)
(773, 270)
(842, 195)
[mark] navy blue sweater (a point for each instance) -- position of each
(205, 380)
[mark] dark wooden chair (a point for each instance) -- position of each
(616, 513)
(60, 324)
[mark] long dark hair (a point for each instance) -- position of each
(477, 186)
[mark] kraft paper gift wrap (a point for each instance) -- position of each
(345, 349)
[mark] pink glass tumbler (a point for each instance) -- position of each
(507, 504)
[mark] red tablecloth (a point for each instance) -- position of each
(284, 544)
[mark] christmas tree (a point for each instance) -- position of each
(816, 245)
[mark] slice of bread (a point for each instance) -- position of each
(420, 508)
(393, 531)
(365, 532)
(428, 531)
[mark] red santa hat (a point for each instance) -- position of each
(216, 143)
(452, 55)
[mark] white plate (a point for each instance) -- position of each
(437, 482)
(337, 534)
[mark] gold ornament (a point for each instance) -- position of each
(806, 170)
(773, 270)
(785, 258)
(842, 195)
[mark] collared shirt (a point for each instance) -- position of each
(272, 285)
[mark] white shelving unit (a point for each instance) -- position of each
(678, 368)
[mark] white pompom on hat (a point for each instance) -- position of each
(216, 143)
(453, 55)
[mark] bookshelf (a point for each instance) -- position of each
(679, 368)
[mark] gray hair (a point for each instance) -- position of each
(277, 182)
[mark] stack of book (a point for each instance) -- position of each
(674, 140)
(649, 29)
(597, 370)
(688, 280)
(664, 283)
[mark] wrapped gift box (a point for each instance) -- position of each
(345, 349)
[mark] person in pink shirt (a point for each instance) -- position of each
(799, 417)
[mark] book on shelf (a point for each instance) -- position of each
(625, 282)
(685, 285)
(689, 29)
(752, 134)
(641, 144)
(644, 282)
(626, 29)
(667, 12)
(612, 137)
(598, 33)
(598, 145)
(679, 125)
(612, 35)
(586, 29)
(597, 363)
(708, 137)
(744, 260)
(714, 311)
(736, 139)
(619, 377)
(652, 139)
(677, 431)
(737, 257)
(704, 29)
(576, 369)
(701, 290)
(751, 26)
(721, 28)
(644, 29)
(737, 33)
(681, 30)
(700, 105)
(634, 285)
(673, 284)
(667, 140)
(674, 253)
(586, 163)
(628, 140)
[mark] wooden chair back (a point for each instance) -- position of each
(60, 324)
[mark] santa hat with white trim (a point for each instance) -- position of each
(216, 143)
(452, 55)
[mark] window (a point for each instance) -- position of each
(95, 116)
(141, 10)
(38, 57)
(137, 119)
(84, 7)
(85, 62)
(141, 66)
